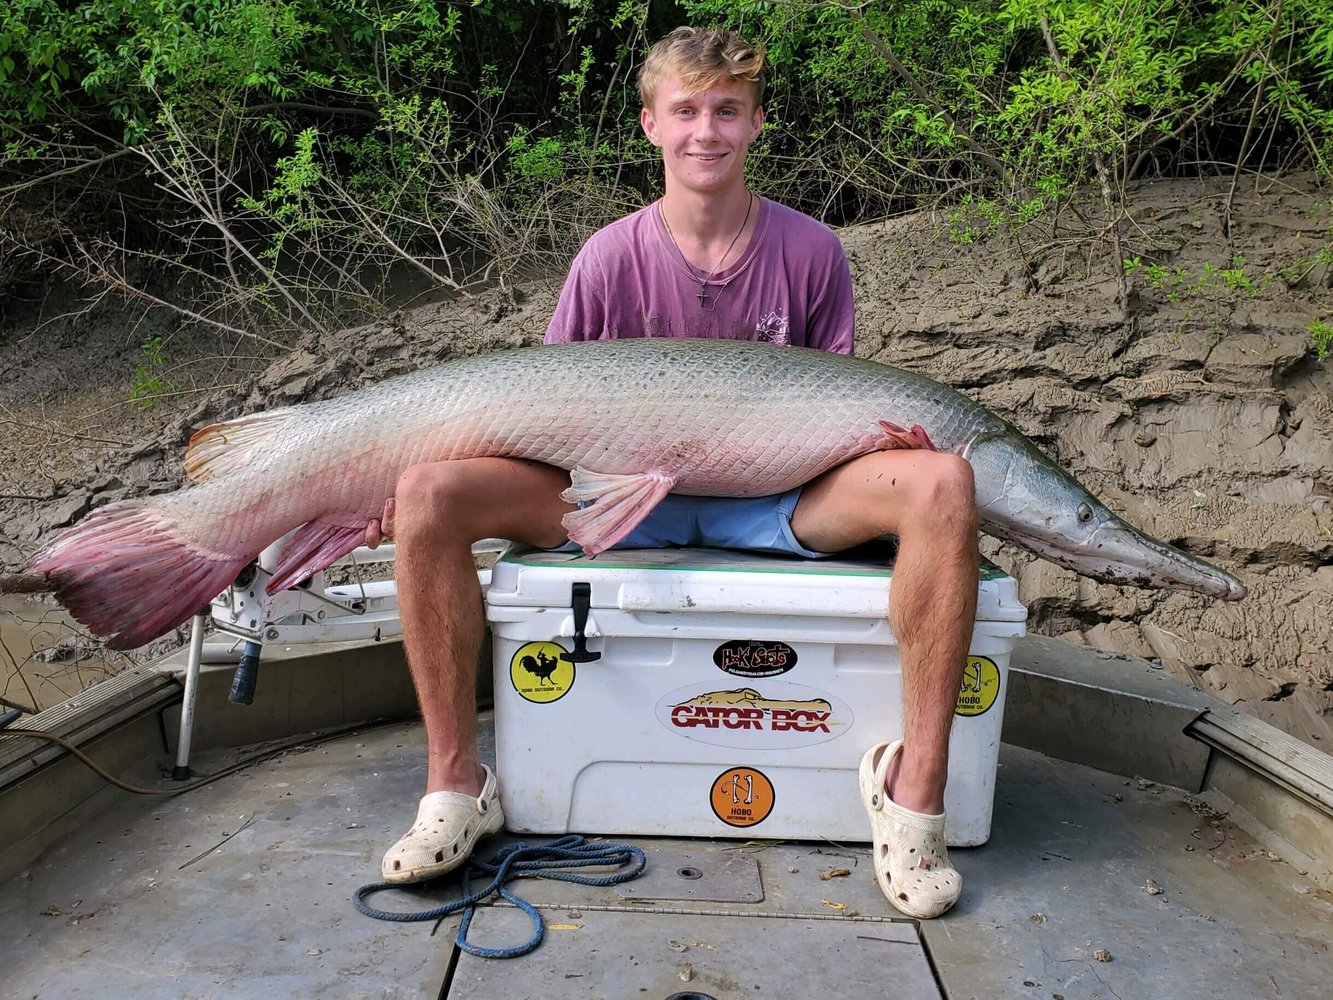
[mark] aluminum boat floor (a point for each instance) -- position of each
(242, 889)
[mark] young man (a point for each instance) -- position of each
(708, 259)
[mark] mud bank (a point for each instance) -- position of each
(1196, 408)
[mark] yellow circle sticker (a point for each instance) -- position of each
(980, 687)
(742, 796)
(538, 674)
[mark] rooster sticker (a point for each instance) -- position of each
(539, 674)
(542, 667)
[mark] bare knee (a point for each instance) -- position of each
(944, 497)
(433, 499)
(463, 501)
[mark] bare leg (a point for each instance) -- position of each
(440, 510)
(932, 612)
(927, 500)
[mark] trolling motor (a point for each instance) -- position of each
(308, 612)
(245, 678)
(249, 617)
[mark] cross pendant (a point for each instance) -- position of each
(702, 296)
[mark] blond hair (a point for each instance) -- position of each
(702, 58)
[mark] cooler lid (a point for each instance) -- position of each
(699, 580)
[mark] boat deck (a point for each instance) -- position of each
(1092, 886)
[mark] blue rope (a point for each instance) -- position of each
(550, 861)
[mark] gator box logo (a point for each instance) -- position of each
(772, 716)
(752, 658)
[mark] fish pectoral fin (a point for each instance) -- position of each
(225, 447)
(613, 505)
(314, 546)
(892, 437)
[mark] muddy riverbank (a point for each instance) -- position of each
(1197, 408)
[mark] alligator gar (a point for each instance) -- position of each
(631, 419)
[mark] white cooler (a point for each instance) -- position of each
(733, 696)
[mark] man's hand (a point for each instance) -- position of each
(380, 527)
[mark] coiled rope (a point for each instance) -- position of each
(549, 861)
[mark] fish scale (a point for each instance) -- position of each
(631, 418)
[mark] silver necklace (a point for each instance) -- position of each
(702, 294)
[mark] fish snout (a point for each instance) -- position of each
(1127, 555)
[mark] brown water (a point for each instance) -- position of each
(28, 627)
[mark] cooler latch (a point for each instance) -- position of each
(580, 599)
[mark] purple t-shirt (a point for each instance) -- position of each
(791, 286)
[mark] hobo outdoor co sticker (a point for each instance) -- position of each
(538, 674)
(742, 796)
(980, 688)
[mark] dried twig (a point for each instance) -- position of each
(200, 857)
(24, 583)
(1249, 125)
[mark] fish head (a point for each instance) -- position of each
(1024, 497)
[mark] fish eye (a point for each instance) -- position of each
(1084, 513)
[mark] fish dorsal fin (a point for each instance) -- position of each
(614, 505)
(226, 447)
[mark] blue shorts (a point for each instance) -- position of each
(755, 524)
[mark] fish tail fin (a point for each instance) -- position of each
(228, 446)
(127, 574)
(311, 548)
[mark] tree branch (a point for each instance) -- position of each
(1113, 207)
(886, 53)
